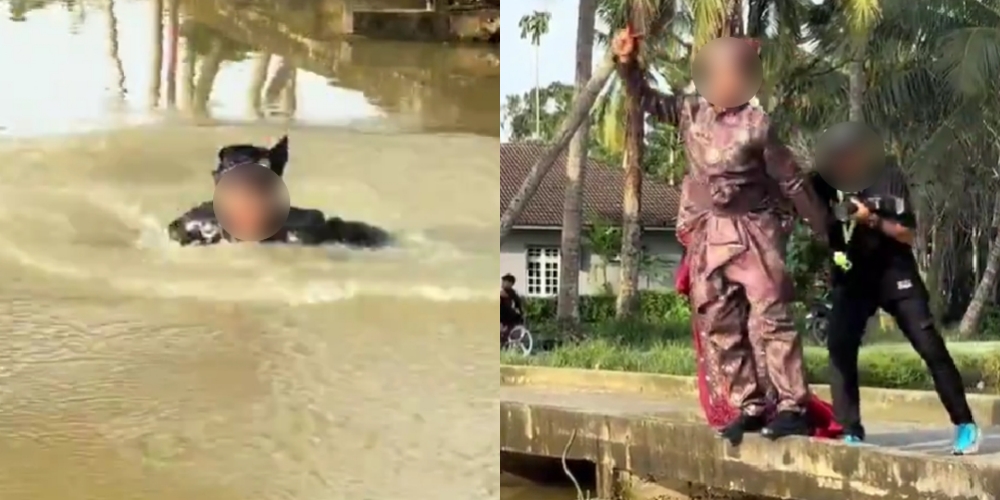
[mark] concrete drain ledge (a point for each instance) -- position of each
(910, 406)
(797, 468)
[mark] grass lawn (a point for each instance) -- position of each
(891, 365)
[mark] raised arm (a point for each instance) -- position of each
(782, 167)
(662, 107)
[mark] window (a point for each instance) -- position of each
(543, 271)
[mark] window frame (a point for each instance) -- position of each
(547, 258)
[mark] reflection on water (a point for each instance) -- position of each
(132, 369)
(229, 63)
(515, 488)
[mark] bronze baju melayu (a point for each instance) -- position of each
(735, 216)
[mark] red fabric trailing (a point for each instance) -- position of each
(718, 414)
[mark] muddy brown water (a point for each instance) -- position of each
(132, 369)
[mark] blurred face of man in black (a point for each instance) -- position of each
(851, 168)
(850, 156)
(507, 282)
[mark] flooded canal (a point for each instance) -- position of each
(515, 488)
(133, 369)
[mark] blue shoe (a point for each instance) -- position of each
(852, 439)
(967, 438)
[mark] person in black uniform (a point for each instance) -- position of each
(874, 268)
(252, 175)
(511, 308)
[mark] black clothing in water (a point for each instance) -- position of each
(199, 226)
(884, 275)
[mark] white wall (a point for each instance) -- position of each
(662, 244)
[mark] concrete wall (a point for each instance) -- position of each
(660, 276)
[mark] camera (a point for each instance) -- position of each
(892, 207)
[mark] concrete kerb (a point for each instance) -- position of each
(889, 404)
(660, 449)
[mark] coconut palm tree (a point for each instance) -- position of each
(533, 26)
(931, 86)
(568, 310)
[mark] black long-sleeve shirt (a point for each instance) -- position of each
(878, 262)
(511, 308)
(199, 226)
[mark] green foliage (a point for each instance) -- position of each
(889, 367)
(808, 264)
(519, 112)
(664, 157)
(654, 308)
(535, 25)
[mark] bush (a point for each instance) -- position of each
(879, 367)
(654, 307)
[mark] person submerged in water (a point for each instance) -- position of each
(252, 203)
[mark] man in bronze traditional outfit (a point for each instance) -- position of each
(734, 220)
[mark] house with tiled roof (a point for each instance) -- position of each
(531, 252)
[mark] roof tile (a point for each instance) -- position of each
(603, 186)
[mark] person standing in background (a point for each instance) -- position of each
(511, 307)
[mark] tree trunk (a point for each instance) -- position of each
(984, 290)
(631, 251)
(156, 75)
(209, 70)
(579, 112)
(282, 76)
(174, 32)
(190, 73)
(856, 91)
(291, 95)
(538, 93)
(114, 52)
(568, 309)
(260, 70)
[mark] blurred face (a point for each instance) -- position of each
(251, 206)
(851, 166)
(506, 284)
(727, 72)
(850, 156)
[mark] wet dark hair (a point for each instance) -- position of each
(238, 155)
(509, 278)
(253, 176)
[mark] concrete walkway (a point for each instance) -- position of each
(661, 437)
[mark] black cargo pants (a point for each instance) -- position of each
(853, 306)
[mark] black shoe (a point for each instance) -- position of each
(786, 423)
(741, 425)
